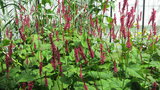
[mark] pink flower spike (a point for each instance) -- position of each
(154, 86)
(115, 67)
(128, 44)
(76, 54)
(46, 81)
(40, 68)
(85, 86)
(153, 16)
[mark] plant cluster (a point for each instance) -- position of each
(66, 47)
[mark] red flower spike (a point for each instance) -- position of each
(154, 29)
(58, 1)
(59, 8)
(80, 30)
(54, 26)
(128, 44)
(97, 22)
(94, 33)
(154, 86)
(27, 21)
(10, 35)
(30, 85)
(102, 58)
(53, 47)
(46, 81)
(66, 45)
(115, 19)
(40, 68)
(85, 86)
(113, 35)
(27, 61)
(115, 67)
(7, 32)
(16, 19)
(63, 7)
(37, 25)
(24, 85)
(140, 16)
(91, 21)
(82, 54)
(10, 52)
(125, 2)
(90, 50)
(57, 36)
(58, 56)
(76, 54)
(34, 45)
(53, 62)
(153, 16)
(109, 50)
(21, 30)
(99, 31)
(67, 26)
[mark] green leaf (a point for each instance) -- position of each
(80, 86)
(133, 73)
(7, 24)
(146, 56)
(155, 64)
(158, 51)
(46, 1)
(50, 83)
(66, 81)
(151, 78)
(102, 75)
(2, 6)
(5, 42)
(26, 77)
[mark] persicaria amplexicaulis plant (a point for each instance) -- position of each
(76, 45)
(53, 48)
(76, 54)
(82, 54)
(90, 50)
(102, 56)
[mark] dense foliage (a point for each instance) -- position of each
(66, 47)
